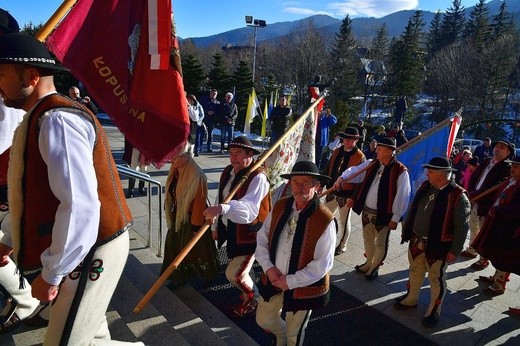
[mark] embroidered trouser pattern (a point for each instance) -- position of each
(288, 332)
(342, 214)
(89, 323)
(436, 270)
(25, 303)
(237, 273)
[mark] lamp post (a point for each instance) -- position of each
(255, 23)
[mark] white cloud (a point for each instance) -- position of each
(370, 8)
(354, 8)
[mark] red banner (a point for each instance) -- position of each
(113, 48)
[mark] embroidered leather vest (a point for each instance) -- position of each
(440, 234)
(40, 204)
(241, 238)
(355, 159)
(312, 223)
(386, 193)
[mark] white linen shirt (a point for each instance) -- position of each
(402, 196)
(66, 143)
(321, 264)
(244, 210)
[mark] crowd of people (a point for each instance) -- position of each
(64, 221)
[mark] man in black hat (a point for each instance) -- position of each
(68, 215)
(238, 220)
(342, 158)
(382, 199)
(295, 257)
(280, 118)
(499, 237)
(436, 227)
(490, 172)
(21, 302)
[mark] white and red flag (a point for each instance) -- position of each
(125, 52)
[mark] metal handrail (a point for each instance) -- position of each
(132, 173)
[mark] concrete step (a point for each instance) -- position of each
(226, 331)
(180, 318)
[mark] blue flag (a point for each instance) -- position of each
(436, 142)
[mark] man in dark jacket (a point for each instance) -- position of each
(228, 113)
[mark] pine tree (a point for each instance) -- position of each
(434, 36)
(477, 28)
(345, 64)
(379, 49)
(243, 82)
(502, 22)
(219, 76)
(452, 23)
(192, 74)
(406, 59)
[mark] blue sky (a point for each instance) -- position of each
(197, 18)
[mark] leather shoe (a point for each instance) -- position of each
(339, 251)
(431, 321)
(494, 290)
(36, 321)
(358, 268)
(480, 264)
(489, 279)
(402, 307)
(12, 323)
(372, 275)
(468, 254)
(514, 311)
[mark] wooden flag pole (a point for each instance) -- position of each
(324, 193)
(47, 28)
(488, 191)
(175, 264)
(404, 146)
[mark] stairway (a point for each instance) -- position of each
(180, 318)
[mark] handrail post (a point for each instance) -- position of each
(128, 172)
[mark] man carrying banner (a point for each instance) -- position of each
(436, 227)
(295, 250)
(240, 219)
(490, 172)
(499, 238)
(382, 199)
(68, 215)
(22, 304)
(342, 158)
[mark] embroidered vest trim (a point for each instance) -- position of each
(36, 205)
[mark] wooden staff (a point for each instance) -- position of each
(373, 163)
(484, 193)
(175, 264)
(47, 28)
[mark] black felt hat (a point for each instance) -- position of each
(7, 22)
(244, 143)
(26, 50)
(510, 145)
(350, 133)
(440, 164)
(388, 142)
(307, 168)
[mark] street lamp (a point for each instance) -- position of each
(255, 23)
